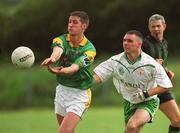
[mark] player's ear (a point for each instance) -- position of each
(84, 26)
(165, 26)
(140, 44)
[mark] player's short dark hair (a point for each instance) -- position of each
(137, 33)
(84, 18)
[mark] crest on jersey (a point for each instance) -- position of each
(140, 72)
(85, 62)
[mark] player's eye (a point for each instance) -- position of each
(75, 22)
(127, 40)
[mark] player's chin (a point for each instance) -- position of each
(126, 51)
(72, 33)
(156, 35)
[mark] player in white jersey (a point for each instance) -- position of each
(138, 77)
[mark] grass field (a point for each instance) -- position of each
(95, 120)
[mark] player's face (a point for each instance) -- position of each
(131, 44)
(157, 29)
(75, 26)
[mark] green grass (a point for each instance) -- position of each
(95, 120)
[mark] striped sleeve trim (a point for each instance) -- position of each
(58, 41)
(91, 54)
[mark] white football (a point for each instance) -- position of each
(23, 57)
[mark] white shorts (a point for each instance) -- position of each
(69, 99)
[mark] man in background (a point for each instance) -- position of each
(157, 46)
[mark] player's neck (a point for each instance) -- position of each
(76, 39)
(159, 38)
(133, 56)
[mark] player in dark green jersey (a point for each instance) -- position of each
(157, 46)
(73, 54)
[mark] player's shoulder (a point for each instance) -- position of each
(116, 57)
(60, 39)
(147, 59)
(149, 40)
(89, 43)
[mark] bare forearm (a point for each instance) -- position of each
(70, 70)
(56, 54)
(156, 90)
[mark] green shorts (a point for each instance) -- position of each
(150, 106)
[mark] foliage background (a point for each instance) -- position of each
(35, 23)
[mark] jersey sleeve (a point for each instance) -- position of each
(104, 70)
(161, 77)
(86, 59)
(58, 41)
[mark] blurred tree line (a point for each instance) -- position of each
(35, 23)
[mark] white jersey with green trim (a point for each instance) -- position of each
(130, 78)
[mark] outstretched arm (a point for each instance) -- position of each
(64, 70)
(56, 54)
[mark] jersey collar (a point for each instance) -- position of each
(154, 39)
(82, 42)
(132, 62)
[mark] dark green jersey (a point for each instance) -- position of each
(156, 49)
(83, 56)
